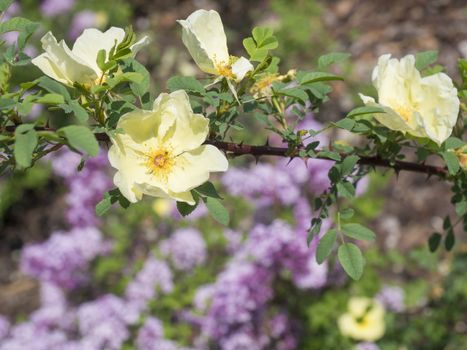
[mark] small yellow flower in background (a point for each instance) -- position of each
(161, 152)
(204, 37)
(162, 207)
(420, 106)
(461, 154)
(79, 65)
(364, 319)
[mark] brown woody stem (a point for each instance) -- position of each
(239, 149)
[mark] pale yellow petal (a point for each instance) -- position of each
(189, 130)
(154, 191)
(192, 168)
(241, 67)
(390, 118)
(139, 44)
(141, 125)
(88, 44)
(49, 68)
(71, 66)
(204, 37)
(440, 106)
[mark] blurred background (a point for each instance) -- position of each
(145, 278)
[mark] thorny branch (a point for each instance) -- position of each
(239, 149)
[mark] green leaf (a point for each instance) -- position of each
(313, 77)
(207, 190)
(141, 88)
(348, 164)
(314, 229)
(4, 4)
(351, 259)
(185, 83)
(79, 112)
(347, 213)
(434, 241)
(52, 86)
(325, 245)
(346, 189)
(185, 209)
(331, 58)
(104, 205)
(453, 142)
(294, 92)
(101, 58)
(255, 54)
(81, 138)
(345, 123)
(264, 38)
(424, 59)
(357, 231)
(329, 155)
(7, 103)
(447, 223)
(364, 110)
(452, 162)
(132, 77)
(450, 240)
(217, 210)
(461, 208)
(25, 143)
(51, 99)
(18, 24)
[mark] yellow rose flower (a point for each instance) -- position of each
(364, 319)
(79, 65)
(162, 207)
(204, 37)
(161, 152)
(422, 107)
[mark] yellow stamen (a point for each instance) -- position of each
(160, 162)
(225, 70)
(405, 112)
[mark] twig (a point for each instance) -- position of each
(239, 149)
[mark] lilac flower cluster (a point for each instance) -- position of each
(64, 258)
(105, 322)
(85, 188)
(185, 248)
(392, 298)
(155, 275)
(52, 8)
(235, 306)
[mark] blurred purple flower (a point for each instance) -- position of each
(64, 257)
(239, 291)
(105, 321)
(250, 183)
(151, 331)
(203, 297)
(392, 298)
(240, 341)
(4, 327)
(65, 163)
(366, 346)
(85, 19)
(85, 187)
(186, 249)
(51, 8)
(27, 336)
(155, 275)
(315, 276)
